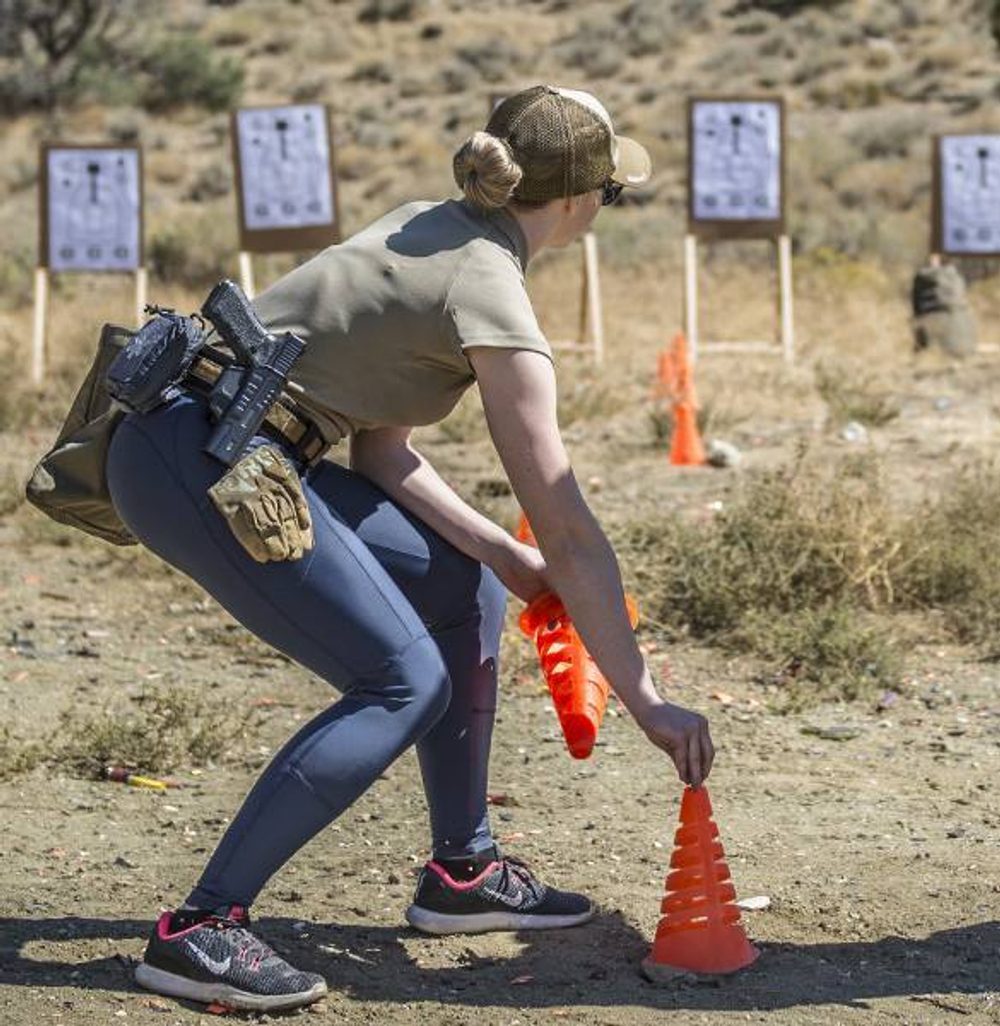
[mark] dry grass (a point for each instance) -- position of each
(835, 652)
(952, 557)
(849, 400)
(807, 566)
(159, 731)
(164, 730)
(17, 756)
(789, 572)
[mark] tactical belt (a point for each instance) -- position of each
(289, 423)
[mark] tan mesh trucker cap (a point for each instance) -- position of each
(565, 143)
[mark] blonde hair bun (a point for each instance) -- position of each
(486, 171)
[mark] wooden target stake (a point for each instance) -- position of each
(141, 294)
(40, 324)
(591, 333)
(246, 274)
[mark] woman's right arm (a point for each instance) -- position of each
(518, 391)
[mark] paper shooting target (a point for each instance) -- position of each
(93, 209)
(735, 164)
(285, 167)
(969, 194)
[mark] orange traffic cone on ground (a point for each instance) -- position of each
(686, 448)
(700, 931)
(675, 382)
(578, 688)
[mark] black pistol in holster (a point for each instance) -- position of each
(252, 384)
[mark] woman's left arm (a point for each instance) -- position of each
(386, 457)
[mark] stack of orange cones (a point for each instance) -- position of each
(700, 931)
(665, 385)
(675, 383)
(579, 690)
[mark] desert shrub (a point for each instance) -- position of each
(661, 425)
(107, 75)
(16, 757)
(16, 268)
(456, 77)
(309, 88)
(11, 492)
(193, 251)
(582, 398)
(211, 182)
(849, 400)
(833, 652)
(887, 19)
(843, 235)
(166, 730)
(376, 72)
(125, 127)
(231, 36)
(597, 58)
(812, 68)
(880, 137)
(777, 46)
(388, 10)
(600, 45)
(752, 26)
(803, 565)
(648, 26)
(790, 571)
(49, 51)
(801, 537)
(183, 69)
(950, 556)
(783, 8)
(851, 93)
(494, 60)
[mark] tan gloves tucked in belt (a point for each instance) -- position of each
(261, 499)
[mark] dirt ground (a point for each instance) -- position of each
(878, 851)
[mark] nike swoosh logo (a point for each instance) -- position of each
(507, 899)
(208, 962)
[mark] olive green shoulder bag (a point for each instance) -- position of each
(69, 483)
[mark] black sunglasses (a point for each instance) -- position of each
(610, 191)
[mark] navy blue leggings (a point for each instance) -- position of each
(405, 626)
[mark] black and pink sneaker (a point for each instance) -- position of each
(203, 956)
(505, 895)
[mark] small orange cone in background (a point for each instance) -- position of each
(686, 448)
(666, 384)
(700, 931)
(675, 383)
(524, 532)
(578, 688)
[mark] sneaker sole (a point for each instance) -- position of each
(485, 922)
(162, 982)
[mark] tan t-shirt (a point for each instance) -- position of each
(387, 315)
